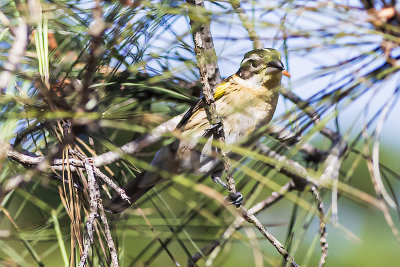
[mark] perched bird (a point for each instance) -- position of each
(244, 102)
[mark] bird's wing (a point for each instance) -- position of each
(222, 88)
(192, 110)
(220, 91)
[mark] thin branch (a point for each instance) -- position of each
(311, 112)
(252, 219)
(102, 176)
(107, 158)
(15, 55)
(137, 145)
(322, 226)
(210, 77)
(96, 205)
(215, 246)
(254, 37)
(94, 195)
(111, 184)
(28, 160)
(238, 223)
(204, 47)
(96, 32)
(31, 129)
(155, 136)
(109, 240)
(296, 172)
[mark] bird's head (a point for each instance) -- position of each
(261, 64)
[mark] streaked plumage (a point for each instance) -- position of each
(245, 101)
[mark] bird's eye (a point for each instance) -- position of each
(255, 63)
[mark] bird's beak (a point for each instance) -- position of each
(286, 73)
(279, 65)
(276, 64)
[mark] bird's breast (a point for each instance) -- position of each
(242, 111)
(245, 112)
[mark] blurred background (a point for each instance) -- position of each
(110, 71)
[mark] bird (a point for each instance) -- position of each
(245, 101)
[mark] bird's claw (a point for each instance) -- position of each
(215, 176)
(219, 181)
(236, 199)
(216, 127)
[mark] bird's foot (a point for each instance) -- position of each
(216, 177)
(216, 127)
(236, 199)
(219, 181)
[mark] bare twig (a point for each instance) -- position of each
(214, 246)
(106, 158)
(252, 219)
(111, 183)
(156, 135)
(109, 240)
(311, 112)
(96, 32)
(35, 160)
(102, 176)
(96, 205)
(31, 129)
(322, 226)
(137, 145)
(296, 172)
(383, 205)
(210, 77)
(94, 195)
(15, 55)
(254, 37)
(204, 46)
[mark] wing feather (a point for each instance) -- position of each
(220, 91)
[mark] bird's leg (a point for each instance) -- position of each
(216, 128)
(207, 134)
(235, 198)
(213, 129)
(216, 177)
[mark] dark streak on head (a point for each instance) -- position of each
(257, 60)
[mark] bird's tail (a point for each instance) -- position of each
(132, 189)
